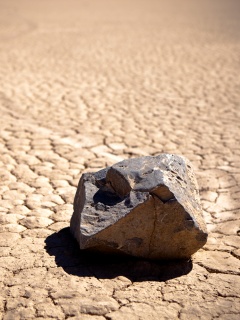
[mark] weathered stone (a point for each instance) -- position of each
(147, 207)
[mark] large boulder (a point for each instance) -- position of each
(146, 207)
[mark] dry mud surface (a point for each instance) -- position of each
(85, 84)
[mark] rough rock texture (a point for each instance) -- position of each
(86, 84)
(147, 207)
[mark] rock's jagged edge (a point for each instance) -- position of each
(147, 207)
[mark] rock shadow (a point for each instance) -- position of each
(85, 263)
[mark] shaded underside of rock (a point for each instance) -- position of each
(147, 207)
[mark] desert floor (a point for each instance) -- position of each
(85, 84)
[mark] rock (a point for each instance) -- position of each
(146, 207)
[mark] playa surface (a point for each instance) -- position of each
(85, 84)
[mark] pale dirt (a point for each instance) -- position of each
(85, 84)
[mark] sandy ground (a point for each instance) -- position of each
(85, 84)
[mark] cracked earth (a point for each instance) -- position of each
(85, 84)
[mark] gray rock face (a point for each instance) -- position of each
(147, 207)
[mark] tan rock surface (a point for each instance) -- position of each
(85, 84)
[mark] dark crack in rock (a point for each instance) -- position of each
(146, 207)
